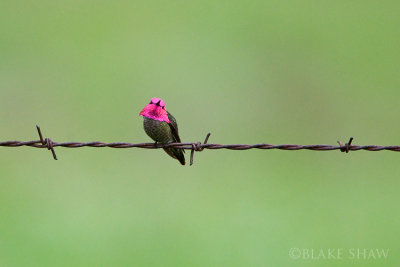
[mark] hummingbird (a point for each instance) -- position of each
(161, 126)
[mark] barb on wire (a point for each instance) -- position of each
(346, 147)
(46, 143)
(50, 145)
(197, 147)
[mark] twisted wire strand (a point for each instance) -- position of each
(189, 146)
(50, 145)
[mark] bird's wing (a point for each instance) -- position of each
(174, 127)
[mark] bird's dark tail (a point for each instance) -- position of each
(176, 153)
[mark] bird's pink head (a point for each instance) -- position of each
(155, 110)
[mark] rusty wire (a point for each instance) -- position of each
(50, 145)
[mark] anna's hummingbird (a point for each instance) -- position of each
(161, 126)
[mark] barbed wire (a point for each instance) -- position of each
(50, 145)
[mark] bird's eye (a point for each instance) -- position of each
(163, 107)
(151, 102)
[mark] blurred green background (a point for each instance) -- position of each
(304, 72)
